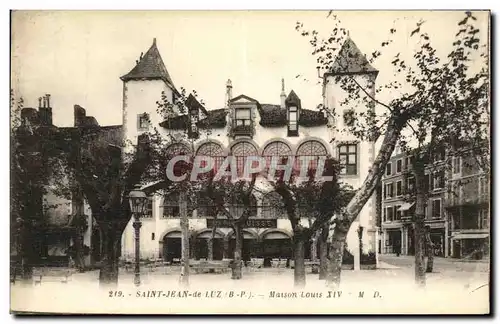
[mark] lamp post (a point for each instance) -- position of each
(138, 203)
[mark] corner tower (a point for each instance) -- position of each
(356, 156)
(142, 88)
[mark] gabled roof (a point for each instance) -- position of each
(193, 103)
(350, 60)
(150, 67)
(244, 97)
(293, 98)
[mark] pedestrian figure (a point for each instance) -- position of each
(398, 248)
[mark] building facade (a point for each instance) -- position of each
(456, 212)
(244, 127)
(468, 208)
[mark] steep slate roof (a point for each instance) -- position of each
(350, 60)
(215, 119)
(150, 67)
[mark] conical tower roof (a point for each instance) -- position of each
(350, 60)
(150, 67)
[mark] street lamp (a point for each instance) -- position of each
(138, 203)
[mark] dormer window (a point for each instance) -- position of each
(193, 130)
(293, 127)
(242, 117)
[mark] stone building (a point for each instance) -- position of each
(244, 127)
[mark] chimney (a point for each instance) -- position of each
(229, 92)
(79, 115)
(45, 111)
(283, 94)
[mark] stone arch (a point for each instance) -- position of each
(168, 231)
(327, 146)
(218, 232)
(249, 231)
(276, 139)
(276, 230)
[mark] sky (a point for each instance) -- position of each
(78, 56)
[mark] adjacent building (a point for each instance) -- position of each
(456, 212)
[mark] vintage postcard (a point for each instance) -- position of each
(250, 162)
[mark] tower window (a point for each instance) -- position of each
(143, 122)
(348, 157)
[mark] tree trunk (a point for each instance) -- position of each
(299, 270)
(335, 255)
(184, 280)
(323, 252)
(430, 252)
(363, 194)
(210, 252)
(79, 253)
(420, 187)
(236, 268)
(108, 274)
(27, 254)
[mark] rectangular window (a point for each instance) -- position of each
(243, 117)
(348, 157)
(388, 169)
(349, 117)
(436, 208)
(152, 236)
(407, 165)
(456, 165)
(399, 188)
(485, 221)
(410, 185)
(149, 210)
(389, 190)
(390, 214)
(397, 213)
(438, 180)
(385, 215)
(143, 122)
(399, 166)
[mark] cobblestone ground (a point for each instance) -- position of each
(456, 287)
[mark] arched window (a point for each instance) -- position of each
(213, 150)
(177, 149)
(243, 149)
(171, 205)
(277, 149)
(312, 149)
(240, 152)
(210, 149)
(274, 149)
(272, 206)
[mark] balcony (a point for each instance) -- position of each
(242, 127)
